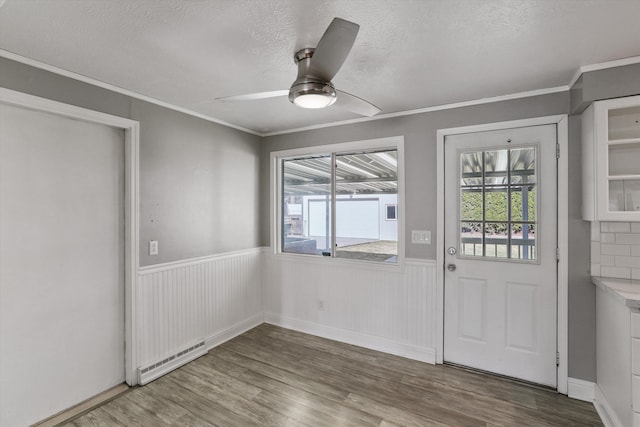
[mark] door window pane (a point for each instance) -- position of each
(471, 203)
(523, 241)
(523, 203)
(522, 161)
(495, 172)
(498, 203)
(495, 239)
(471, 238)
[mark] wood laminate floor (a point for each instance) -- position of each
(270, 376)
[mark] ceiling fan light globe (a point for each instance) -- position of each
(313, 100)
(312, 95)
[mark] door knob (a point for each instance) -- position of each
(451, 267)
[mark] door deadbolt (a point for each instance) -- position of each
(451, 251)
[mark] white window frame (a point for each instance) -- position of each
(390, 143)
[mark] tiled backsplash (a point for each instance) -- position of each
(615, 249)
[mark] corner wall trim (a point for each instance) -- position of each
(581, 390)
(427, 355)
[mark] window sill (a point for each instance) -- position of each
(338, 262)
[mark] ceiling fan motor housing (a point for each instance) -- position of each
(308, 91)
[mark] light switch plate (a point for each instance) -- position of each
(153, 247)
(421, 237)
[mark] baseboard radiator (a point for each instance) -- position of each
(150, 372)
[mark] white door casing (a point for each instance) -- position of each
(500, 315)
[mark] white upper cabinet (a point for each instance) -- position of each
(611, 160)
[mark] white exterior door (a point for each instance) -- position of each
(61, 262)
(500, 252)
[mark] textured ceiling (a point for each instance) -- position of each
(408, 54)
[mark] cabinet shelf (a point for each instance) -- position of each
(611, 160)
(623, 122)
(623, 177)
(623, 141)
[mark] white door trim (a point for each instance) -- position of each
(132, 131)
(563, 237)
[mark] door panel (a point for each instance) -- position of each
(61, 263)
(521, 316)
(501, 227)
(473, 309)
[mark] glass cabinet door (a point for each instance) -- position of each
(623, 159)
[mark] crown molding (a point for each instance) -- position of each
(527, 94)
(99, 83)
(480, 101)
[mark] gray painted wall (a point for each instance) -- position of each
(420, 176)
(199, 185)
(419, 132)
(34, 81)
(205, 187)
(199, 181)
(582, 293)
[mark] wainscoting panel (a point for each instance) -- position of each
(182, 303)
(387, 309)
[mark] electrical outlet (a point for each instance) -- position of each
(153, 247)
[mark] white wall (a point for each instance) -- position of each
(212, 298)
(361, 216)
(387, 308)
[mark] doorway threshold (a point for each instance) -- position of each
(506, 377)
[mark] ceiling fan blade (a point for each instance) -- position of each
(355, 105)
(254, 96)
(333, 48)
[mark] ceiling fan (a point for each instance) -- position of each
(316, 67)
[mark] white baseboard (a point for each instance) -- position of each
(608, 417)
(427, 355)
(581, 390)
(233, 331)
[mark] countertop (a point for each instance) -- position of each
(627, 291)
